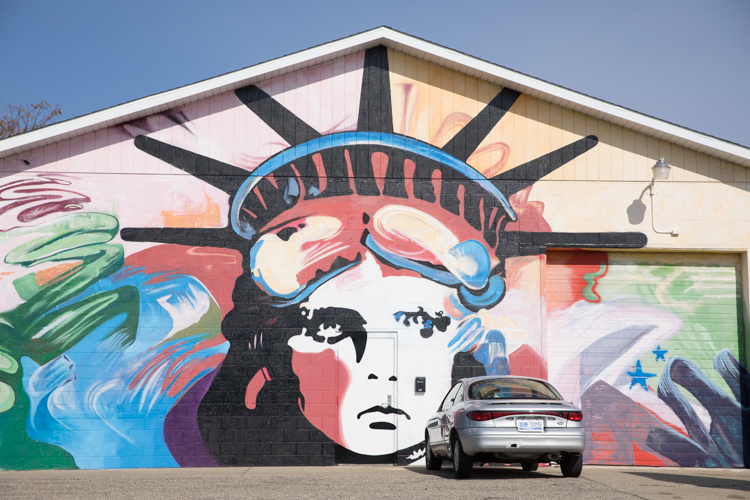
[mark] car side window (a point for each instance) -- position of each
(450, 398)
(459, 396)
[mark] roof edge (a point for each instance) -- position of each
(396, 40)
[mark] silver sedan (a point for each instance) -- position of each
(505, 419)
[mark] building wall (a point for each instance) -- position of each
(247, 279)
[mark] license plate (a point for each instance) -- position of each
(536, 425)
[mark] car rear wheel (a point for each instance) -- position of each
(430, 459)
(572, 465)
(530, 467)
(462, 463)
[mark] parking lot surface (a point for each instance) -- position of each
(377, 482)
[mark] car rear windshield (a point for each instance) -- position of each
(512, 388)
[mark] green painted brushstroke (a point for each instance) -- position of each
(705, 297)
(50, 321)
(7, 397)
(7, 363)
(589, 291)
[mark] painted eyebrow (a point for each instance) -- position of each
(348, 321)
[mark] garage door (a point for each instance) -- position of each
(649, 344)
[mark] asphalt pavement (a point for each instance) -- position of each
(377, 482)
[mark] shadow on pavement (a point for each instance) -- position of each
(700, 481)
(490, 472)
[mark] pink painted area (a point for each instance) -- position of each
(63, 156)
(101, 155)
(229, 107)
(76, 154)
(325, 96)
(323, 380)
(253, 388)
(314, 98)
(28, 199)
(36, 159)
(50, 158)
(215, 131)
(165, 135)
(114, 157)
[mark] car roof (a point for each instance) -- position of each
(510, 377)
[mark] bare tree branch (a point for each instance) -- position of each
(17, 119)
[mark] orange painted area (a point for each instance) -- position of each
(323, 380)
(55, 273)
(206, 214)
(523, 273)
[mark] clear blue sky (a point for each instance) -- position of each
(684, 61)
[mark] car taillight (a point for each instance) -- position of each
(575, 416)
(480, 415)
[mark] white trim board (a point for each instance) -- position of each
(458, 61)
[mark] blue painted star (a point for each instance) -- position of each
(659, 353)
(639, 376)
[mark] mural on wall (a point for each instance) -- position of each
(322, 239)
(647, 345)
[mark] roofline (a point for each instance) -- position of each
(408, 44)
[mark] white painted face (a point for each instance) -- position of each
(375, 301)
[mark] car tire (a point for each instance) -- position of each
(572, 465)
(462, 463)
(432, 461)
(530, 467)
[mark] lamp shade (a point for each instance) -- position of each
(661, 170)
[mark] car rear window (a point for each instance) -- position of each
(512, 388)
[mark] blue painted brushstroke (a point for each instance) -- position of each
(352, 139)
(82, 401)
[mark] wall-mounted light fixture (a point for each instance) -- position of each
(660, 172)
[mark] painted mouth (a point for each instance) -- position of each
(385, 426)
(386, 410)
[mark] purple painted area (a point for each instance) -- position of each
(181, 431)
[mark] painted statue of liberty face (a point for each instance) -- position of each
(363, 318)
(382, 300)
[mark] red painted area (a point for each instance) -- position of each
(323, 381)
(379, 166)
(322, 176)
(565, 272)
(179, 375)
(346, 242)
(530, 213)
(672, 426)
(216, 268)
(607, 448)
(526, 362)
(617, 429)
(642, 457)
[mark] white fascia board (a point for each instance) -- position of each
(394, 39)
